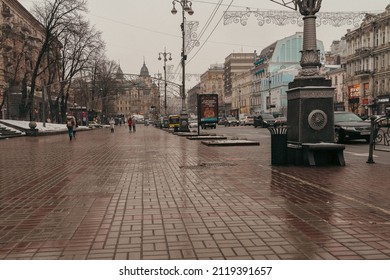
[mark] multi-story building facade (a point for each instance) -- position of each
(368, 65)
(139, 96)
(235, 63)
(211, 81)
(269, 86)
(20, 39)
(192, 100)
(337, 76)
(242, 85)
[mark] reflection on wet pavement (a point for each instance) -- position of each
(154, 195)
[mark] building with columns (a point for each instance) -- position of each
(368, 65)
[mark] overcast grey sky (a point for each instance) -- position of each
(138, 29)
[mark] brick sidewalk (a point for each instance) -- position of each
(154, 195)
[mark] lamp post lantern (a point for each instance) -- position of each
(165, 55)
(186, 6)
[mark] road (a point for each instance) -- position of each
(357, 149)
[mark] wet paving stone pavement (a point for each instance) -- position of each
(155, 195)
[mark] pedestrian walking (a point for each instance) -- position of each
(70, 125)
(130, 123)
(112, 124)
(133, 121)
(75, 126)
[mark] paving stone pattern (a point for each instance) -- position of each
(155, 195)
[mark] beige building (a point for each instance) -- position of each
(20, 40)
(211, 81)
(368, 65)
(242, 87)
(235, 63)
(140, 96)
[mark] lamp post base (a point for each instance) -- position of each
(184, 122)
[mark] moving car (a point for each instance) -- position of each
(248, 120)
(264, 120)
(349, 126)
(231, 121)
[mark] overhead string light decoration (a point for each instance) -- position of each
(281, 18)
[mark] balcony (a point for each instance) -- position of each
(362, 73)
(364, 52)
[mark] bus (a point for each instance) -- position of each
(173, 121)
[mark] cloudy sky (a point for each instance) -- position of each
(135, 30)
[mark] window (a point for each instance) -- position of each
(376, 38)
(383, 60)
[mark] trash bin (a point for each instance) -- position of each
(278, 145)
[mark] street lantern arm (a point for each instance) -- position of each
(287, 4)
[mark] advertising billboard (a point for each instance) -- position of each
(207, 108)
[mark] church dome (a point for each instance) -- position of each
(144, 71)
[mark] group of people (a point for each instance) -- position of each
(131, 122)
(71, 124)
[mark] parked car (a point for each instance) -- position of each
(222, 121)
(209, 125)
(264, 120)
(241, 119)
(248, 120)
(231, 121)
(280, 121)
(349, 126)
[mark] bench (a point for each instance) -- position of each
(323, 153)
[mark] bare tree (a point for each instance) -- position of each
(80, 45)
(56, 16)
(107, 85)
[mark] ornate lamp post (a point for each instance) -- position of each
(186, 6)
(310, 60)
(165, 54)
(310, 114)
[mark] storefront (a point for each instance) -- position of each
(383, 102)
(354, 98)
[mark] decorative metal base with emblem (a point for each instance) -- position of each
(311, 124)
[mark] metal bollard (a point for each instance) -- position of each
(372, 139)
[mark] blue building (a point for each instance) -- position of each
(276, 66)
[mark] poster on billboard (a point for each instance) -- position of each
(207, 108)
